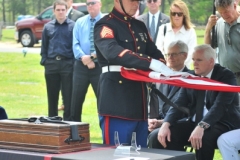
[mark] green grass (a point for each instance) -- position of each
(8, 35)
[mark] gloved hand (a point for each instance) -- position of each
(160, 67)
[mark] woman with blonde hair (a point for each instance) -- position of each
(179, 28)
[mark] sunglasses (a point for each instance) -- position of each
(179, 14)
(90, 3)
(150, 1)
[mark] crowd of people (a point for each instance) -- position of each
(92, 49)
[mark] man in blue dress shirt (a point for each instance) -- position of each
(57, 58)
(86, 69)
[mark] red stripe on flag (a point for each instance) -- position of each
(139, 75)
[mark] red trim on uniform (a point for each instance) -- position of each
(106, 130)
(106, 32)
(123, 52)
(143, 58)
(144, 101)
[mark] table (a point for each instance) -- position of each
(97, 152)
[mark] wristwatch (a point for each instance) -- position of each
(203, 125)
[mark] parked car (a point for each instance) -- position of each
(29, 31)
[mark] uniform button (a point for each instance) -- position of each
(133, 52)
(148, 57)
(110, 15)
(136, 39)
(145, 41)
(129, 25)
(133, 32)
(138, 47)
(126, 40)
(141, 55)
(125, 18)
(120, 82)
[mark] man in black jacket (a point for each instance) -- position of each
(218, 113)
(176, 56)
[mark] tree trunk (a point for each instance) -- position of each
(3, 11)
(39, 6)
(163, 6)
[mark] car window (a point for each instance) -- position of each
(47, 14)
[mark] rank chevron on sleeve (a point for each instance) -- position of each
(106, 32)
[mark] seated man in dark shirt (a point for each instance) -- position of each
(176, 56)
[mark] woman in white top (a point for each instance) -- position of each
(179, 28)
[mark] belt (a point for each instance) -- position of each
(237, 74)
(111, 69)
(58, 58)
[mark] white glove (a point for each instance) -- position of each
(160, 67)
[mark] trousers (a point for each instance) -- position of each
(229, 144)
(180, 133)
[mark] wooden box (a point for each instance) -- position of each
(44, 137)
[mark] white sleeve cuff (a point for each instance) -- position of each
(158, 66)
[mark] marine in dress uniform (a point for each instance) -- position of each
(121, 40)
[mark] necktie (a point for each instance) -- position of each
(152, 27)
(199, 105)
(92, 49)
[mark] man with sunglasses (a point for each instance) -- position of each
(86, 70)
(154, 18)
(122, 41)
(227, 35)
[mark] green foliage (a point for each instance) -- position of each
(200, 10)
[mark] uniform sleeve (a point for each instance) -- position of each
(106, 43)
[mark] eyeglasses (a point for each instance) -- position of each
(179, 14)
(91, 3)
(150, 1)
(172, 54)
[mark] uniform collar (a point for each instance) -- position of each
(121, 16)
